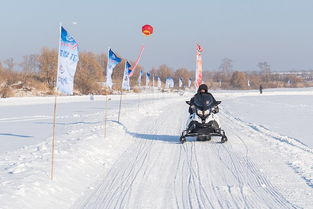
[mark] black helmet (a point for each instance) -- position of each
(203, 87)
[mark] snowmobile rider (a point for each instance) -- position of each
(203, 89)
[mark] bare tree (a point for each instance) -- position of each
(226, 66)
(48, 60)
(226, 69)
(238, 80)
(154, 72)
(184, 74)
(164, 72)
(264, 67)
(103, 60)
(117, 74)
(89, 73)
(30, 63)
(10, 63)
(30, 66)
(265, 71)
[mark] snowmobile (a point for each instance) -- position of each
(203, 123)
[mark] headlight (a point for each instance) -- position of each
(206, 112)
(199, 112)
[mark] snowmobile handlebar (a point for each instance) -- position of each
(217, 102)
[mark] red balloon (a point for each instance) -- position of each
(147, 30)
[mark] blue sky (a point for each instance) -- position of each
(246, 31)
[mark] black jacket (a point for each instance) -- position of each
(192, 103)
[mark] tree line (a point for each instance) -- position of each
(36, 75)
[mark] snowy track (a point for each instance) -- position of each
(157, 172)
(141, 164)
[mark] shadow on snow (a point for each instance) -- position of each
(69, 123)
(15, 135)
(165, 138)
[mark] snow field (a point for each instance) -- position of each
(140, 164)
(82, 155)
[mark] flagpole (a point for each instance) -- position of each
(105, 115)
(60, 30)
(139, 88)
(119, 110)
(53, 137)
(54, 113)
(106, 70)
(139, 92)
(106, 96)
(138, 100)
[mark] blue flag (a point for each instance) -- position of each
(180, 82)
(67, 62)
(139, 78)
(113, 60)
(125, 83)
(147, 79)
(169, 83)
(153, 81)
(159, 82)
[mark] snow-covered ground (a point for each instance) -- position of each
(288, 112)
(138, 162)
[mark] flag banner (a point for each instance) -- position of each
(147, 79)
(67, 62)
(189, 82)
(159, 82)
(139, 78)
(171, 83)
(198, 80)
(113, 60)
(125, 83)
(167, 83)
(180, 82)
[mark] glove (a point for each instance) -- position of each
(192, 109)
(216, 109)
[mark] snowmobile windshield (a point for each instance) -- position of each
(204, 101)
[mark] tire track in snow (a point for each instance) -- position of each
(115, 194)
(195, 174)
(253, 176)
(203, 193)
(236, 165)
(118, 193)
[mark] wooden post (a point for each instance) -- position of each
(119, 110)
(139, 100)
(53, 138)
(105, 115)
